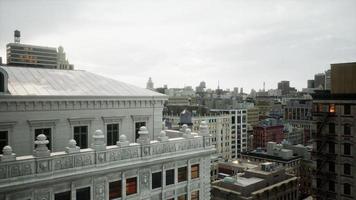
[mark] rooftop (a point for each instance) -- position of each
(26, 81)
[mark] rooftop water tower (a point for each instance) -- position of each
(17, 35)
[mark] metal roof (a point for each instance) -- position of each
(27, 81)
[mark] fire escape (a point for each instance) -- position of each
(322, 155)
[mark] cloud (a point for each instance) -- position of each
(240, 43)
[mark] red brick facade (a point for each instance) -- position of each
(264, 134)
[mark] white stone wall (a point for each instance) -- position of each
(21, 116)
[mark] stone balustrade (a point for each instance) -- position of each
(44, 163)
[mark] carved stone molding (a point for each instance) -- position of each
(137, 118)
(7, 125)
(42, 123)
(79, 121)
(113, 119)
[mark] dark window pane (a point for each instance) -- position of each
(115, 189)
(347, 189)
(331, 166)
(83, 193)
(195, 171)
(195, 195)
(81, 136)
(3, 139)
(331, 128)
(331, 186)
(182, 174)
(112, 133)
(347, 169)
(63, 196)
(156, 180)
(347, 129)
(170, 177)
(347, 109)
(182, 197)
(347, 149)
(131, 186)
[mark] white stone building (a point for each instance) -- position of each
(43, 110)
(239, 136)
(219, 128)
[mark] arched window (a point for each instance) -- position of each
(2, 82)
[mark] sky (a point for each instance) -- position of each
(238, 43)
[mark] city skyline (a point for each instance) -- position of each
(239, 44)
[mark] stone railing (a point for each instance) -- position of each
(43, 162)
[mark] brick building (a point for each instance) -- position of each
(269, 130)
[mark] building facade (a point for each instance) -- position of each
(80, 136)
(269, 130)
(334, 146)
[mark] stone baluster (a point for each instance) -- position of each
(188, 133)
(144, 141)
(99, 141)
(204, 131)
(162, 137)
(184, 128)
(72, 147)
(123, 142)
(144, 137)
(8, 155)
(41, 149)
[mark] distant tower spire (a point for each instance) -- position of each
(218, 84)
(149, 84)
(264, 86)
(17, 35)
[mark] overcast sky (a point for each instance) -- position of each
(183, 42)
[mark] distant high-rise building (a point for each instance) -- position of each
(319, 81)
(35, 56)
(327, 80)
(310, 83)
(149, 84)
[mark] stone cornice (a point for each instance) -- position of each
(68, 104)
(76, 121)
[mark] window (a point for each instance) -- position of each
(182, 197)
(332, 108)
(347, 109)
(81, 136)
(138, 125)
(347, 169)
(331, 166)
(195, 171)
(331, 128)
(331, 186)
(156, 180)
(331, 147)
(47, 133)
(347, 189)
(131, 186)
(83, 193)
(170, 177)
(195, 195)
(112, 131)
(347, 149)
(63, 196)
(4, 139)
(347, 129)
(2, 82)
(115, 189)
(182, 174)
